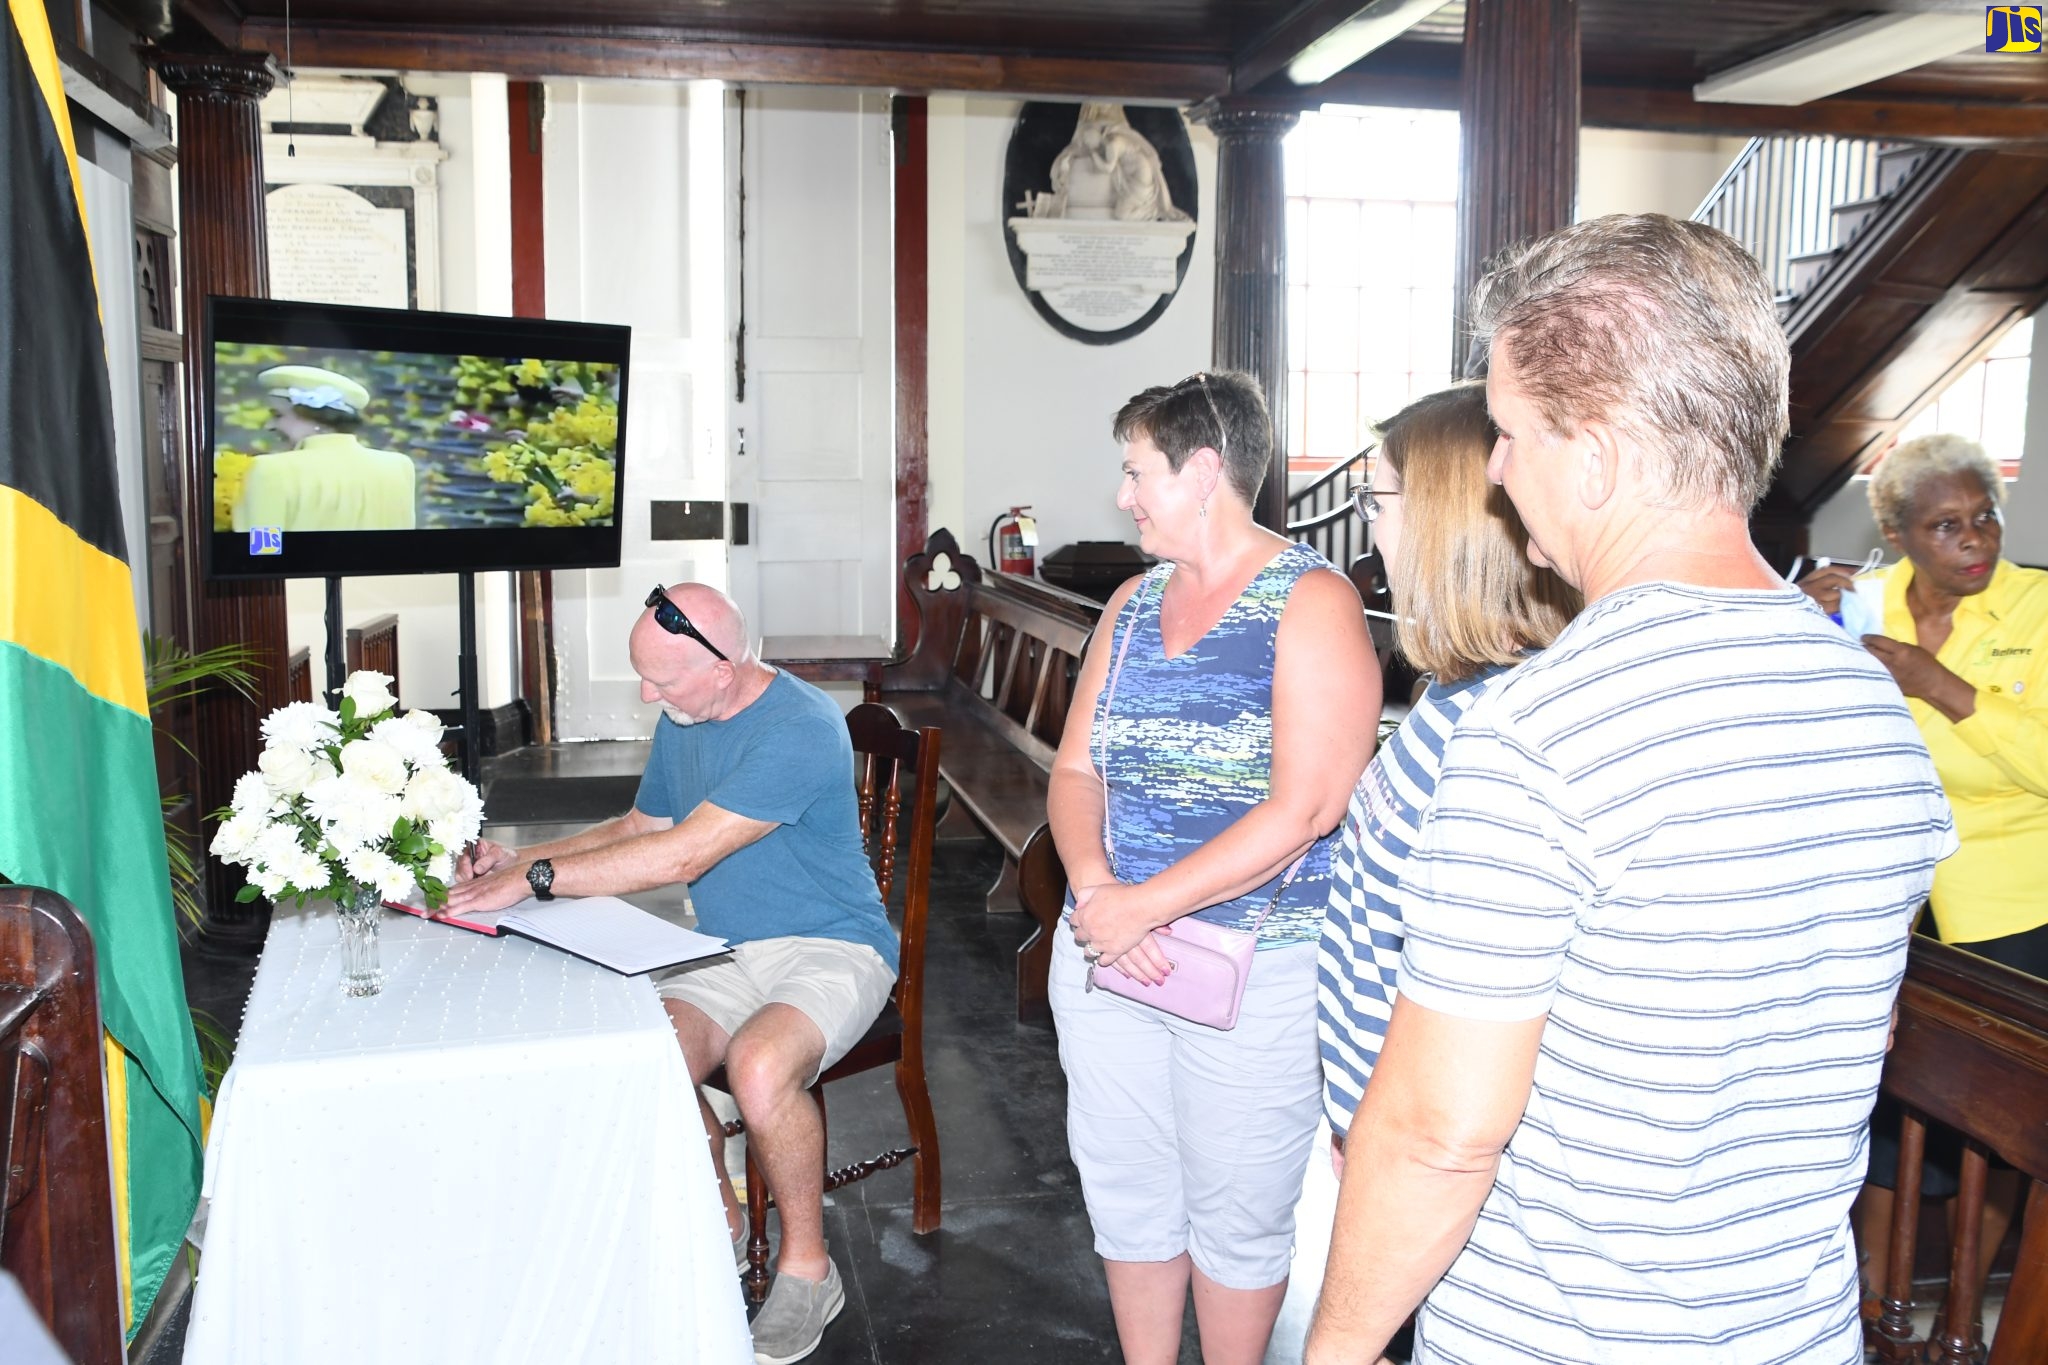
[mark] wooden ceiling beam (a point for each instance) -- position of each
(537, 53)
(1269, 54)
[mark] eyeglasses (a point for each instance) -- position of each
(1222, 432)
(1366, 502)
(670, 618)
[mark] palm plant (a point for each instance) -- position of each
(175, 674)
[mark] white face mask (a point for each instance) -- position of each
(1863, 609)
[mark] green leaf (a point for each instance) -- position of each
(246, 894)
(348, 710)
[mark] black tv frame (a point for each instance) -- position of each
(356, 554)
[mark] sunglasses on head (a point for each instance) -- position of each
(1201, 377)
(670, 618)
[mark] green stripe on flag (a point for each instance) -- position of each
(80, 815)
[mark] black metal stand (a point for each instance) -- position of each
(465, 664)
(337, 657)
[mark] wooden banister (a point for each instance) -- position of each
(1971, 1052)
(57, 1209)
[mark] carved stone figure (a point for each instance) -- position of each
(1108, 172)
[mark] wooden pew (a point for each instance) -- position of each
(56, 1191)
(1971, 1052)
(374, 645)
(993, 666)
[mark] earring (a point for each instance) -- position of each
(1205, 507)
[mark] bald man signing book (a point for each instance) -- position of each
(748, 797)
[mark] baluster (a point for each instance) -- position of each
(866, 784)
(889, 814)
(1895, 1342)
(1958, 1338)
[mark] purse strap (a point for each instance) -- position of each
(1102, 765)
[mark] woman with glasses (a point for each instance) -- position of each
(1220, 720)
(1966, 638)
(1468, 606)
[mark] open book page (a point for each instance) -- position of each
(609, 932)
(477, 921)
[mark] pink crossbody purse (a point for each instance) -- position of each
(1210, 963)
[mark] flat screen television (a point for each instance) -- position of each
(350, 441)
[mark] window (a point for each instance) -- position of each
(1372, 227)
(1987, 402)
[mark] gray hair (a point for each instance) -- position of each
(1900, 476)
(1665, 329)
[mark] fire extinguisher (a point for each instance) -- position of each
(1013, 541)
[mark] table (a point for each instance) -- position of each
(498, 1159)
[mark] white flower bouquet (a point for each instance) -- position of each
(346, 801)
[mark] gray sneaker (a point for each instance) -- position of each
(792, 1323)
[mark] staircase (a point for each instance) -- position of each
(1897, 266)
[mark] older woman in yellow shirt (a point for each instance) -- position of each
(1966, 635)
(329, 480)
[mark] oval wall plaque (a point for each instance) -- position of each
(1099, 207)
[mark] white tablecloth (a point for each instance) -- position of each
(498, 1159)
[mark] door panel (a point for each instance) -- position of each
(817, 463)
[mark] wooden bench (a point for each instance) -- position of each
(993, 666)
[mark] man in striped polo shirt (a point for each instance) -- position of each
(1658, 913)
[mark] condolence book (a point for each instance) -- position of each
(600, 929)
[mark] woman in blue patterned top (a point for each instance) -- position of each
(1469, 606)
(1208, 780)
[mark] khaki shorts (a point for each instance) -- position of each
(838, 986)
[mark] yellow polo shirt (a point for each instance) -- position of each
(331, 482)
(1994, 764)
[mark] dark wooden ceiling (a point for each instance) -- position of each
(1159, 49)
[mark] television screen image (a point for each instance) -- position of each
(350, 441)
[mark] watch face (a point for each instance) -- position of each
(541, 877)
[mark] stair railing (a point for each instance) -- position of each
(1320, 514)
(1779, 196)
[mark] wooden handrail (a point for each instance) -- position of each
(1971, 1051)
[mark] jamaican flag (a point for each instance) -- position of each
(79, 810)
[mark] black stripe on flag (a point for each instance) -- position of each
(56, 423)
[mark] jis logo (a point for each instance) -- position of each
(266, 540)
(2012, 28)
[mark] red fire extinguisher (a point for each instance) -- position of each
(1013, 541)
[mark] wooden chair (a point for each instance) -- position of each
(57, 1208)
(885, 753)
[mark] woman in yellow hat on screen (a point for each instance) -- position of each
(329, 480)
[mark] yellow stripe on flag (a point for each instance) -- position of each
(77, 606)
(33, 24)
(117, 1142)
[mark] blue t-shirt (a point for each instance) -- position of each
(786, 758)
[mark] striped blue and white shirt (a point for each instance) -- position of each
(1360, 956)
(1694, 833)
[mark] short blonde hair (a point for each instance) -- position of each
(1900, 476)
(1465, 593)
(1662, 328)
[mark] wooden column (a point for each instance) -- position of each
(908, 115)
(527, 110)
(222, 249)
(1250, 332)
(1519, 123)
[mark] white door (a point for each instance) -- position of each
(634, 196)
(816, 332)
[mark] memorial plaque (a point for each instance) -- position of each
(1102, 225)
(331, 245)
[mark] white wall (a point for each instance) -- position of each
(1843, 528)
(1020, 413)
(476, 277)
(1630, 172)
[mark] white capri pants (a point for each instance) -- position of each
(1190, 1138)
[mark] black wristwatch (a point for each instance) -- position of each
(541, 877)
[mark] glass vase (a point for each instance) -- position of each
(358, 910)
